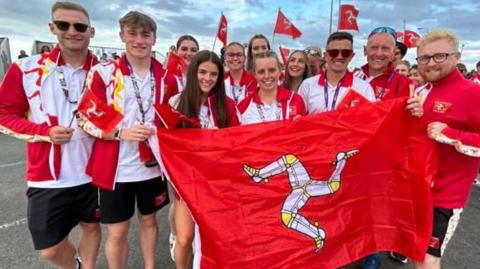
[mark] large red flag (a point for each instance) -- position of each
(175, 64)
(102, 115)
(348, 18)
(352, 99)
(222, 30)
(284, 26)
(410, 38)
(171, 118)
(318, 192)
(284, 52)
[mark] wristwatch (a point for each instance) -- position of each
(117, 133)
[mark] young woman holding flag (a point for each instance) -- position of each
(203, 99)
(271, 102)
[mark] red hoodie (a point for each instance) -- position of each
(455, 101)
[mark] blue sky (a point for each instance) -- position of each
(25, 21)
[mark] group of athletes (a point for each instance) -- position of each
(79, 174)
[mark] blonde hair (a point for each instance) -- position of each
(439, 35)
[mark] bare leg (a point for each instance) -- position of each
(116, 245)
(90, 236)
(185, 230)
(148, 239)
(61, 254)
(430, 262)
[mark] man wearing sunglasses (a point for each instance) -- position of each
(451, 107)
(379, 70)
(324, 92)
(38, 97)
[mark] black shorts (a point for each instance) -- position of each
(119, 205)
(445, 222)
(52, 213)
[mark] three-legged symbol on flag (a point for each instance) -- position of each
(303, 187)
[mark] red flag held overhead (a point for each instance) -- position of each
(400, 37)
(410, 39)
(285, 26)
(348, 18)
(222, 30)
(175, 64)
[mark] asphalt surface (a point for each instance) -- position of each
(16, 249)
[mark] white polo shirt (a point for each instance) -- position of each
(75, 154)
(130, 168)
(312, 91)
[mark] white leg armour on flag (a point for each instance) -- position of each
(303, 187)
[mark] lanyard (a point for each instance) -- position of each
(63, 82)
(335, 95)
(237, 92)
(381, 93)
(206, 121)
(64, 86)
(136, 90)
(278, 112)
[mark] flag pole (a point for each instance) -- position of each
(273, 36)
(215, 40)
(339, 6)
(331, 17)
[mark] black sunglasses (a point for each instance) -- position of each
(64, 26)
(335, 52)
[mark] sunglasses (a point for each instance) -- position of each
(312, 52)
(64, 26)
(335, 52)
(383, 29)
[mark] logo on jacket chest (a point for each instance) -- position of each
(381, 92)
(441, 107)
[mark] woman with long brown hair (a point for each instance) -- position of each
(257, 44)
(187, 47)
(296, 70)
(203, 99)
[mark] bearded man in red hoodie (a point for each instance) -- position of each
(451, 107)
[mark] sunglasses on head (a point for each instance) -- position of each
(64, 26)
(335, 52)
(312, 52)
(384, 29)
